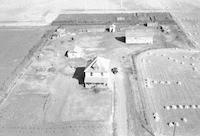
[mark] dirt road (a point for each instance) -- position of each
(120, 103)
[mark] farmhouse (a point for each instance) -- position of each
(139, 35)
(97, 73)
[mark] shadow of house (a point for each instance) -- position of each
(79, 75)
(121, 39)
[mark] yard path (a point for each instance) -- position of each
(120, 86)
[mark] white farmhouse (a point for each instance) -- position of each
(97, 73)
(139, 35)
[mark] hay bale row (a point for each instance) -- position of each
(172, 124)
(160, 82)
(156, 116)
(174, 107)
(147, 83)
(175, 60)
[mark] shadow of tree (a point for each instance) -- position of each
(79, 75)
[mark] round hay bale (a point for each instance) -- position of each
(178, 83)
(194, 107)
(192, 64)
(170, 124)
(180, 106)
(169, 58)
(175, 60)
(154, 81)
(174, 107)
(194, 68)
(186, 106)
(190, 106)
(182, 63)
(184, 120)
(177, 124)
(167, 107)
(161, 82)
(168, 82)
(148, 85)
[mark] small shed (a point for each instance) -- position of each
(152, 24)
(139, 35)
(61, 32)
(97, 73)
(77, 52)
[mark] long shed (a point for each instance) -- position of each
(139, 35)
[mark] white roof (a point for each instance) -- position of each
(140, 31)
(78, 49)
(98, 64)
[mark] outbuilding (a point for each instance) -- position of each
(139, 35)
(77, 52)
(97, 73)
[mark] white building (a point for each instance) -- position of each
(152, 24)
(97, 73)
(61, 32)
(77, 52)
(139, 35)
(112, 28)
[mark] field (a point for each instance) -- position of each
(15, 45)
(169, 79)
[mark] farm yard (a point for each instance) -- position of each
(169, 79)
(49, 97)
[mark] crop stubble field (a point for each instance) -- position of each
(170, 82)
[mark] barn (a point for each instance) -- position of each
(139, 35)
(97, 73)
